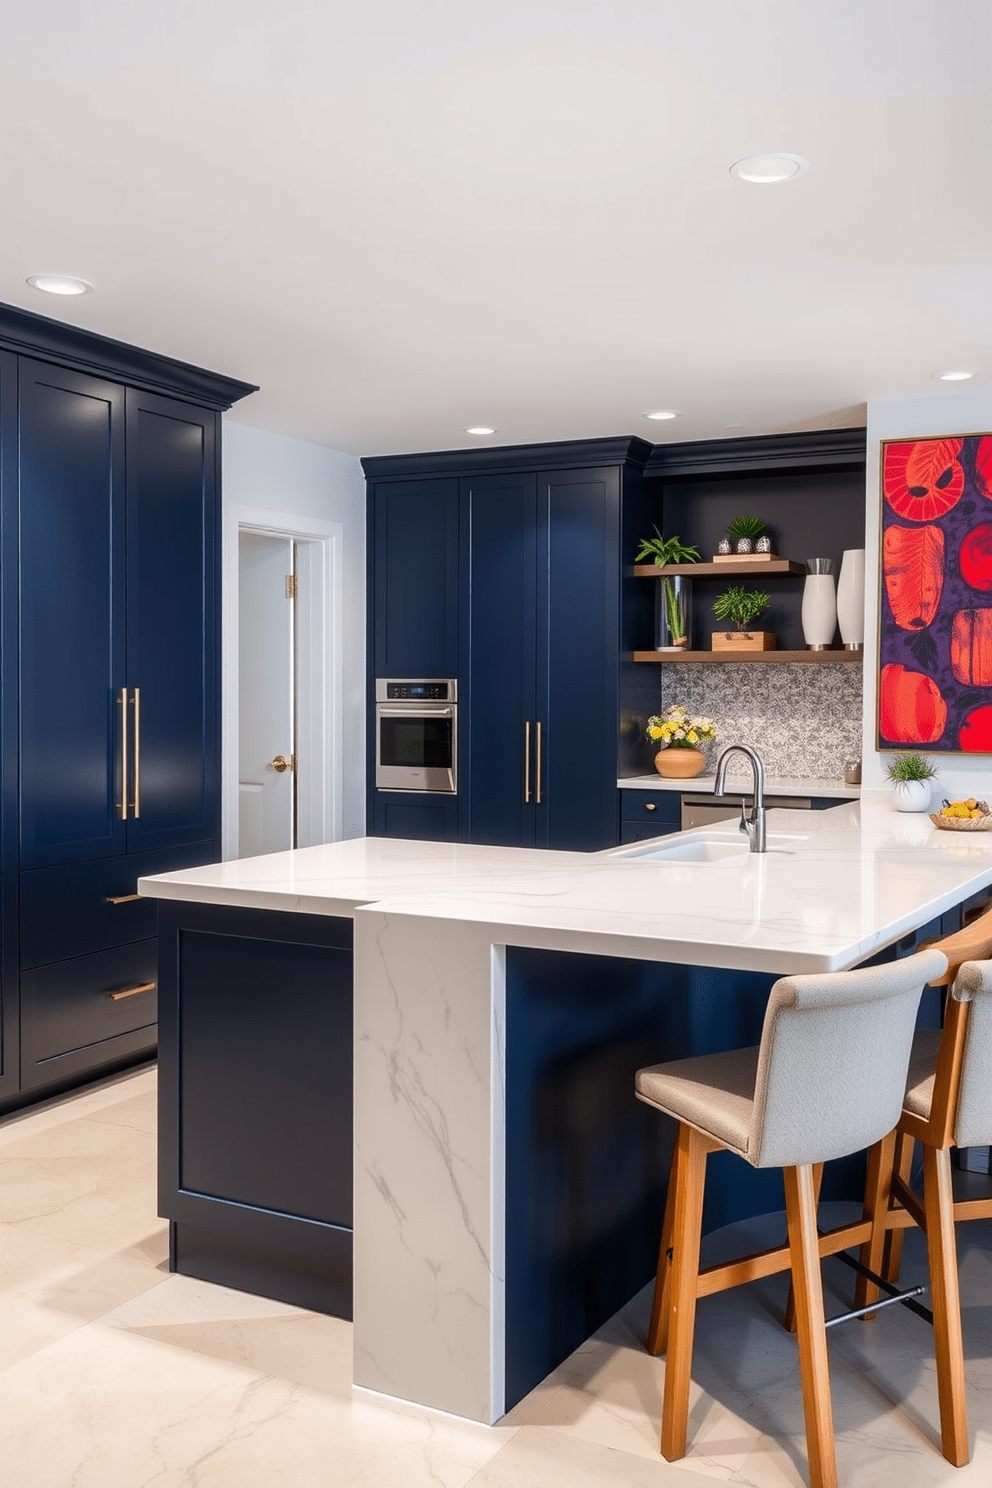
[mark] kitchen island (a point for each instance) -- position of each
(505, 1194)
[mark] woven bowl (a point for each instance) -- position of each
(962, 823)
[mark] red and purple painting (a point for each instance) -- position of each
(935, 635)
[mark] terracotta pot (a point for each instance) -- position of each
(679, 764)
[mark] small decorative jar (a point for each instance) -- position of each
(724, 546)
(763, 545)
(745, 545)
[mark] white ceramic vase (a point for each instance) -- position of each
(851, 599)
(819, 605)
(912, 795)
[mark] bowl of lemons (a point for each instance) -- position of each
(963, 816)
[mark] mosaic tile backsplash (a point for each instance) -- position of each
(804, 720)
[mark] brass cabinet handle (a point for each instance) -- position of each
(537, 755)
(122, 803)
(122, 898)
(137, 752)
(527, 763)
(131, 991)
(650, 806)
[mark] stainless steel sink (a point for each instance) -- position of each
(702, 849)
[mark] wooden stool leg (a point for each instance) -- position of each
(789, 1320)
(800, 1205)
(938, 1201)
(892, 1252)
(690, 1175)
(657, 1340)
(878, 1191)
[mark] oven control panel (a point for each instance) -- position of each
(442, 690)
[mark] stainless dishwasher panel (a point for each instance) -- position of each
(702, 811)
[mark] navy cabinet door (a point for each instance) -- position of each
(497, 753)
(171, 634)
(9, 1000)
(71, 536)
(578, 620)
(415, 604)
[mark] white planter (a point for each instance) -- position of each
(819, 611)
(911, 795)
(851, 599)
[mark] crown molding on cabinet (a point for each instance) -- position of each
(811, 450)
(560, 455)
(38, 336)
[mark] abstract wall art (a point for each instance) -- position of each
(935, 630)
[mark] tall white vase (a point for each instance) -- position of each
(851, 599)
(819, 605)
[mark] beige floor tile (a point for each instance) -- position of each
(539, 1458)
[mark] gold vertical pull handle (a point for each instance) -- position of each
(122, 899)
(137, 753)
(537, 755)
(122, 803)
(527, 763)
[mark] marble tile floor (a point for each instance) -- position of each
(114, 1374)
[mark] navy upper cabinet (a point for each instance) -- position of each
(171, 630)
(414, 577)
(543, 601)
(71, 584)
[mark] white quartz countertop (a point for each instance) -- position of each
(775, 785)
(836, 886)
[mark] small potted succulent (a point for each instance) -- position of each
(741, 607)
(745, 536)
(911, 774)
(673, 619)
(677, 735)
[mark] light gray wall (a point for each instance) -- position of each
(912, 418)
(273, 472)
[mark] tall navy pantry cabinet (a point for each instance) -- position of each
(505, 570)
(110, 650)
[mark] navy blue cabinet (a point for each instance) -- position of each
(543, 603)
(414, 591)
(110, 665)
(504, 568)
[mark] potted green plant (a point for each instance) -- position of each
(742, 533)
(911, 774)
(674, 610)
(678, 735)
(741, 607)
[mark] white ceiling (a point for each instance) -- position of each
(401, 217)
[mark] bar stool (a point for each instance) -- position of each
(948, 1103)
(827, 1080)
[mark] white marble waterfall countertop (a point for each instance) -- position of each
(844, 883)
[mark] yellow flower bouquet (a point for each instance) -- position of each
(676, 729)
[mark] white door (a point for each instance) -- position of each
(266, 774)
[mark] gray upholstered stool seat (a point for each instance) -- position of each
(827, 1079)
(948, 1102)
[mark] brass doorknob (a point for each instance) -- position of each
(280, 763)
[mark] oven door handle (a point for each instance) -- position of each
(412, 710)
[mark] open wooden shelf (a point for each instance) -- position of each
(735, 657)
(749, 566)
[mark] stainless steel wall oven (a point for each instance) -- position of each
(416, 734)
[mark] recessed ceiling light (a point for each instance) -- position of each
(60, 284)
(769, 169)
(663, 413)
(480, 429)
(956, 375)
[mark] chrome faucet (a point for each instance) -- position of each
(754, 825)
